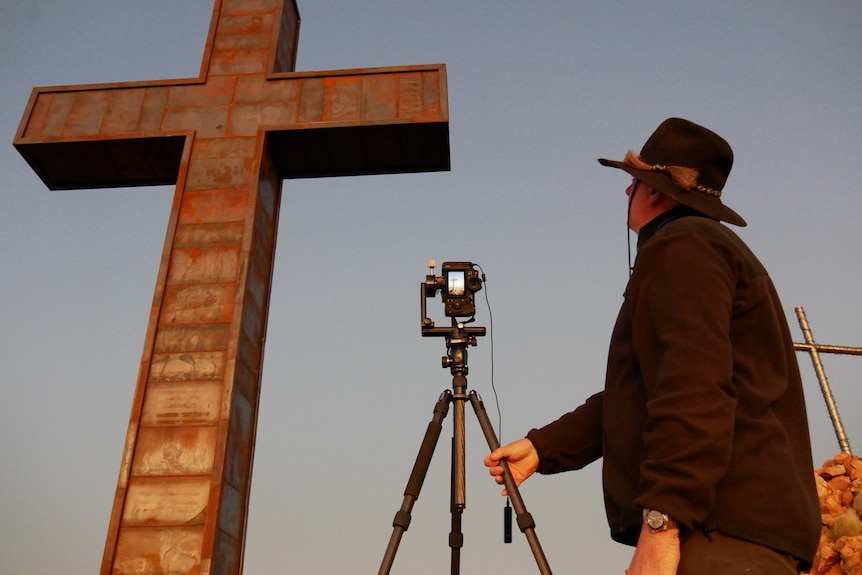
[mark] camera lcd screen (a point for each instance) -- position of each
(455, 282)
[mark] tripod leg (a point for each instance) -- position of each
(524, 519)
(456, 506)
(459, 483)
(417, 477)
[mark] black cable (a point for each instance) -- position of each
(491, 338)
(507, 510)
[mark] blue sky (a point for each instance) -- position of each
(537, 92)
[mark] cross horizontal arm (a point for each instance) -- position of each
(838, 349)
(338, 123)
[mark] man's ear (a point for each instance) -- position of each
(654, 197)
(658, 199)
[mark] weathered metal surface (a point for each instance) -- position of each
(227, 139)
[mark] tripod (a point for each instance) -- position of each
(457, 340)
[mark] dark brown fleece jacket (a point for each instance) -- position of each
(702, 415)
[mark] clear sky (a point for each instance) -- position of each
(537, 92)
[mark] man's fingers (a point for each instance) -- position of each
(493, 458)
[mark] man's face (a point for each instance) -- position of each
(639, 208)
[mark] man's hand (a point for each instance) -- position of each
(656, 554)
(522, 458)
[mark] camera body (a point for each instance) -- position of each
(458, 284)
(461, 280)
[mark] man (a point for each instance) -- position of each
(701, 425)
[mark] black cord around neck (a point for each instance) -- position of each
(628, 226)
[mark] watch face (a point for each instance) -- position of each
(654, 519)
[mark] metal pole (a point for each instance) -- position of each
(814, 350)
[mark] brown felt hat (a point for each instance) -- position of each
(686, 162)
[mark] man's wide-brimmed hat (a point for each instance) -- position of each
(687, 162)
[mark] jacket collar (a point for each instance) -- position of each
(653, 226)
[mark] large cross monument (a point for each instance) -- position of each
(227, 139)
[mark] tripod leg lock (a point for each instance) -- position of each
(456, 540)
(525, 521)
(402, 520)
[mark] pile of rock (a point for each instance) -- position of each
(839, 486)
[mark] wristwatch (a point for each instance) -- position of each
(659, 521)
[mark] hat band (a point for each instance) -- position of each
(685, 178)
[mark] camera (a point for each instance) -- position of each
(461, 281)
(458, 285)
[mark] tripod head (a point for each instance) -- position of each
(457, 340)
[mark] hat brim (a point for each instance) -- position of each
(708, 205)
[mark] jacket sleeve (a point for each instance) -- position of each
(681, 308)
(571, 442)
